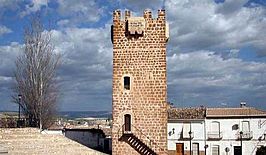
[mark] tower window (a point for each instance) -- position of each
(127, 122)
(127, 83)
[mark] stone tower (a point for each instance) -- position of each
(139, 84)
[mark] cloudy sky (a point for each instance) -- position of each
(216, 52)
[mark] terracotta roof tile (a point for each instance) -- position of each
(199, 113)
(186, 113)
(224, 112)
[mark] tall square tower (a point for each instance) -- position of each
(139, 84)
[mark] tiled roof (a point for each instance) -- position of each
(231, 112)
(186, 113)
(199, 113)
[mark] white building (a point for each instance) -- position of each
(92, 138)
(216, 131)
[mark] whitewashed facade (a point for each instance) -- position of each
(254, 130)
(216, 131)
(178, 133)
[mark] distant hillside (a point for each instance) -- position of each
(85, 114)
(69, 114)
(8, 114)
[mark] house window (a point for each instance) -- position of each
(214, 132)
(127, 82)
(245, 126)
(186, 130)
(195, 149)
(215, 150)
(215, 127)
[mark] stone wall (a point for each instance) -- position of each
(141, 55)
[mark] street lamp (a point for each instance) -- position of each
(190, 141)
(19, 103)
(227, 150)
(241, 134)
(173, 131)
(205, 148)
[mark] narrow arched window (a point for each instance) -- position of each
(127, 83)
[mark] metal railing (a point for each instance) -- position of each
(244, 135)
(142, 136)
(215, 135)
(186, 135)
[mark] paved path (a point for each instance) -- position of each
(29, 141)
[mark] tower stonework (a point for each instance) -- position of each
(139, 84)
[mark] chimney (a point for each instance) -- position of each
(243, 104)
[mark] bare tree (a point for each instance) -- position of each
(35, 75)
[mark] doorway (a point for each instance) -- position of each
(179, 148)
(237, 150)
(127, 122)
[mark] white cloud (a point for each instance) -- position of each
(34, 6)
(79, 11)
(4, 4)
(8, 56)
(209, 79)
(4, 30)
(140, 5)
(87, 64)
(196, 25)
(230, 6)
(64, 22)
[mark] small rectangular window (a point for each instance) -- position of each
(215, 127)
(215, 150)
(195, 149)
(127, 83)
(245, 126)
(186, 130)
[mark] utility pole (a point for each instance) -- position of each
(19, 103)
(190, 139)
(190, 147)
(241, 134)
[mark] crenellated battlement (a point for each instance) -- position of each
(147, 14)
(129, 27)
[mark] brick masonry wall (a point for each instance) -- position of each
(143, 59)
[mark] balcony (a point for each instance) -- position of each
(187, 135)
(244, 135)
(215, 135)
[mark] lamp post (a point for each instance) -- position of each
(190, 142)
(241, 134)
(205, 148)
(19, 103)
